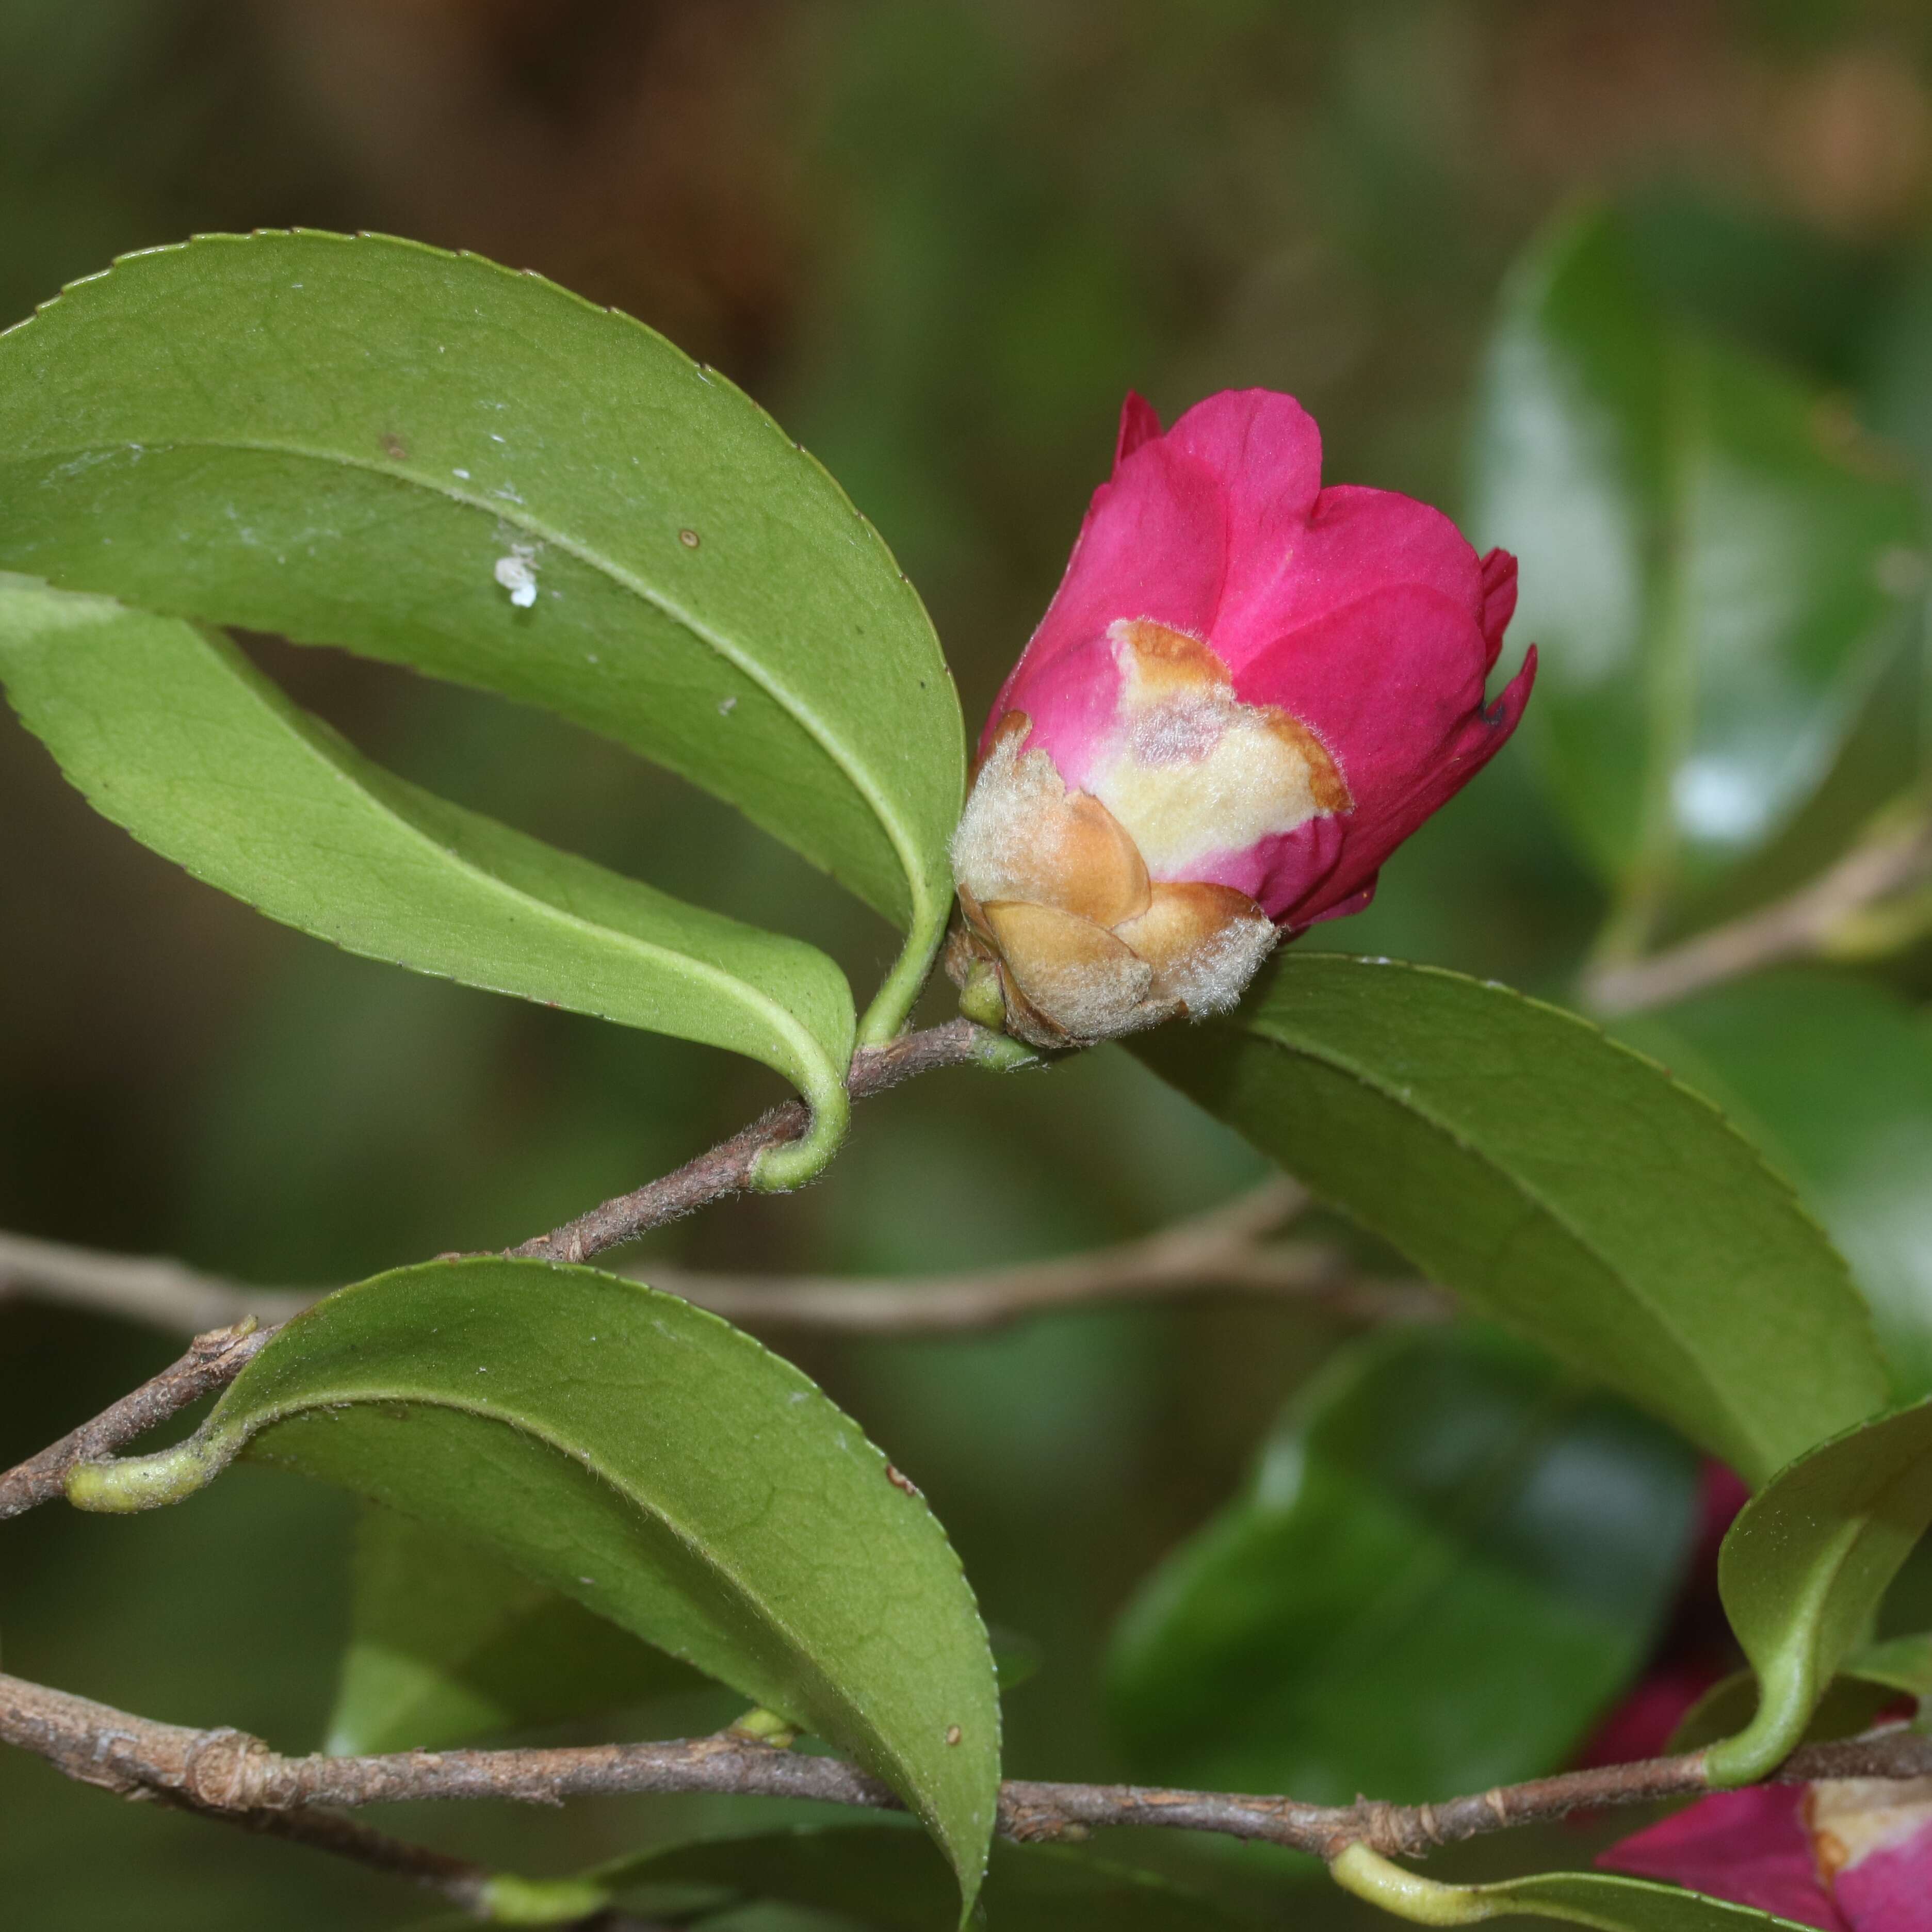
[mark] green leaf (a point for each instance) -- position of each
(1716, 566)
(448, 1644)
(339, 440)
(1832, 1078)
(632, 1452)
(1552, 1178)
(884, 1876)
(1610, 1904)
(1900, 1663)
(170, 732)
(1451, 1557)
(1849, 1703)
(1803, 1569)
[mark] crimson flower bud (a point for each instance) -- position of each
(1248, 691)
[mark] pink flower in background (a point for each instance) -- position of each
(1854, 1855)
(1749, 1846)
(1248, 691)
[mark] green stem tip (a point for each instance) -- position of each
(508, 1900)
(126, 1483)
(1407, 1894)
(792, 1163)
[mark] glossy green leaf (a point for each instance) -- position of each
(449, 1644)
(642, 1456)
(170, 731)
(884, 1876)
(1452, 1556)
(1609, 1903)
(342, 441)
(1803, 1569)
(1552, 1178)
(1716, 566)
(1832, 1077)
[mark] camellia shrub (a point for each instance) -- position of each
(1250, 689)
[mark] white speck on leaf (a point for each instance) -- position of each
(724, 707)
(516, 573)
(464, 474)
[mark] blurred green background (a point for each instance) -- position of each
(939, 240)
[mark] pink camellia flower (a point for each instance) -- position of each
(1248, 691)
(1852, 1855)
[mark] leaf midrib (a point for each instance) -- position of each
(503, 511)
(1528, 1194)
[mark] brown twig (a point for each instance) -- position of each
(1226, 1251)
(212, 1362)
(1798, 927)
(215, 1359)
(727, 1168)
(231, 1774)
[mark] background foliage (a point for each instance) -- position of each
(938, 241)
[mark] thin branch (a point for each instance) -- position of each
(212, 1362)
(1224, 1252)
(1796, 927)
(727, 1168)
(229, 1774)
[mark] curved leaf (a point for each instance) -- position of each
(885, 1877)
(1848, 1704)
(629, 1450)
(449, 1644)
(170, 732)
(1596, 1899)
(342, 440)
(1451, 1558)
(1803, 1568)
(1554, 1179)
(1832, 1077)
(1716, 566)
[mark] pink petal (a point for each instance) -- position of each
(1498, 601)
(1749, 1846)
(1154, 545)
(1393, 686)
(1891, 1890)
(1139, 425)
(1279, 872)
(1071, 699)
(1353, 543)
